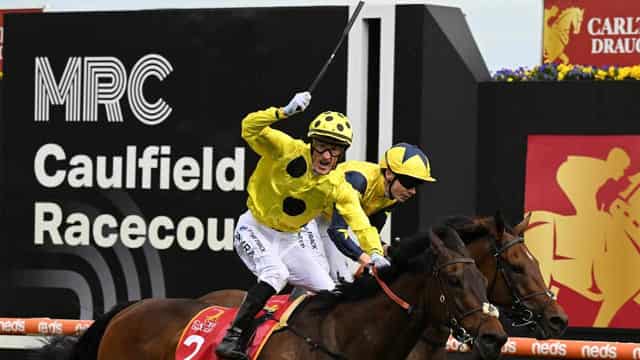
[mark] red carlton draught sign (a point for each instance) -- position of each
(583, 193)
(2, 13)
(592, 32)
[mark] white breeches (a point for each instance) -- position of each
(278, 258)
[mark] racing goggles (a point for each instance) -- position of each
(322, 147)
(409, 182)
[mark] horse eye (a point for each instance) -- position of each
(518, 269)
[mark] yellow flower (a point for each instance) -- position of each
(587, 70)
(600, 74)
(561, 75)
(623, 73)
(509, 79)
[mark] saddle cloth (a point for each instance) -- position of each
(205, 331)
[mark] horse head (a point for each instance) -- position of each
(463, 295)
(515, 280)
(568, 18)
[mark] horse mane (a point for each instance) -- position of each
(409, 256)
(362, 287)
(468, 228)
(473, 228)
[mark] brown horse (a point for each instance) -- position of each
(357, 321)
(515, 282)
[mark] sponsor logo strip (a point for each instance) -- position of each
(567, 349)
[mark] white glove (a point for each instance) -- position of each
(298, 104)
(379, 261)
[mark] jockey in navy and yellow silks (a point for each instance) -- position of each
(367, 179)
(381, 187)
(290, 186)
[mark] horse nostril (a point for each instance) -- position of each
(494, 340)
(558, 323)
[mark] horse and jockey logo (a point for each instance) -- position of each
(584, 196)
(559, 26)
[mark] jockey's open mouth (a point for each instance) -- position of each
(323, 166)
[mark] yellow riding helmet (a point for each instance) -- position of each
(332, 125)
(409, 160)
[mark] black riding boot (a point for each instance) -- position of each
(233, 345)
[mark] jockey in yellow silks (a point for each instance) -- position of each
(380, 188)
(291, 185)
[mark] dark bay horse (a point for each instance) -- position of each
(441, 283)
(515, 282)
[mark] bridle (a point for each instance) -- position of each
(455, 319)
(520, 313)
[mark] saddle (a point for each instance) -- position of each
(207, 328)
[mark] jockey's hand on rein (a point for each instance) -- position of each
(379, 261)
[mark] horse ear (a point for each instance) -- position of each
(436, 243)
(523, 225)
(499, 223)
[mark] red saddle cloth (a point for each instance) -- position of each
(205, 331)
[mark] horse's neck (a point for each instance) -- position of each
(429, 312)
(379, 321)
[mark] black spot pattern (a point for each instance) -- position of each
(328, 118)
(297, 167)
(348, 125)
(340, 127)
(317, 123)
(293, 207)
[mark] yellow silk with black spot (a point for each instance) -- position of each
(284, 193)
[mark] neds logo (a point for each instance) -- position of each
(607, 351)
(91, 81)
(549, 348)
(510, 347)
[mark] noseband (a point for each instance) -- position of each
(520, 313)
(455, 322)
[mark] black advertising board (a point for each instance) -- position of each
(124, 170)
